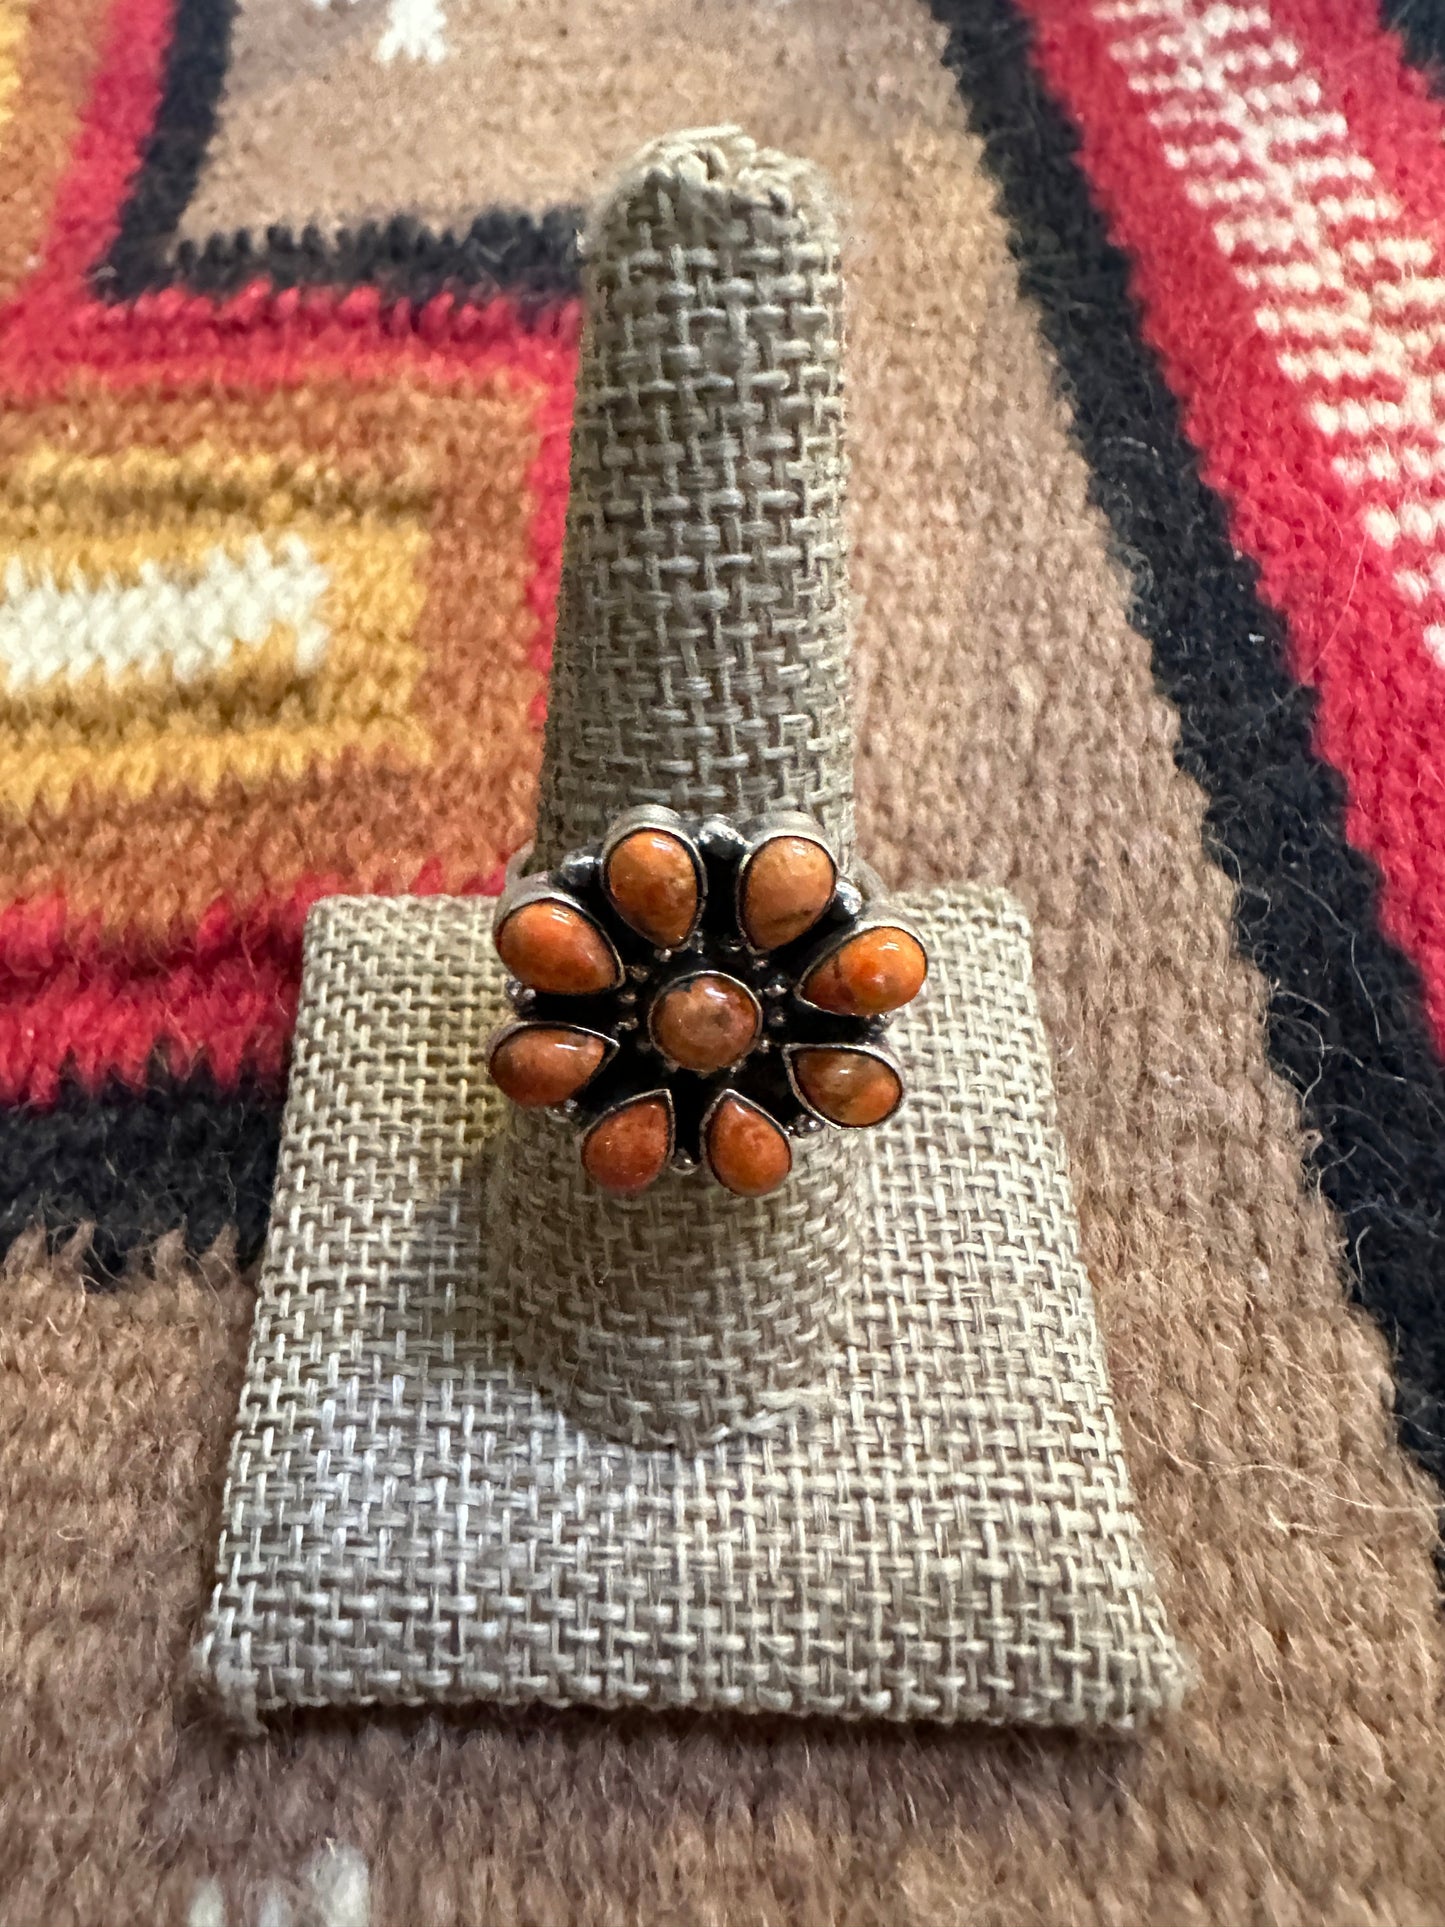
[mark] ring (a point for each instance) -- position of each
(701, 995)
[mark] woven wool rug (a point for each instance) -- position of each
(1146, 302)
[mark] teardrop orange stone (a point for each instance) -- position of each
(705, 1023)
(848, 1086)
(627, 1150)
(651, 879)
(746, 1151)
(543, 1064)
(787, 886)
(875, 971)
(552, 946)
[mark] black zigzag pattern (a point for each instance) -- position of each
(503, 251)
(185, 1155)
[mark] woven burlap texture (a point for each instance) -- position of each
(408, 1519)
(701, 661)
(682, 1315)
(701, 654)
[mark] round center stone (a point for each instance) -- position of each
(706, 1023)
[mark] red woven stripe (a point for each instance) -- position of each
(1354, 633)
(107, 152)
(264, 339)
(1394, 118)
(75, 1005)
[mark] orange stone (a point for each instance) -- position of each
(875, 971)
(787, 885)
(745, 1150)
(848, 1086)
(552, 946)
(626, 1151)
(652, 881)
(705, 1023)
(543, 1064)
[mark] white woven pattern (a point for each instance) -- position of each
(1347, 285)
(408, 1521)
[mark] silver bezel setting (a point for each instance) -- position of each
(878, 1052)
(523, 891)
(624, 1014)
(749, 1104)
(792, 823)
(517, 1025)
(875, 917)
(625, 1102)
(654, 816)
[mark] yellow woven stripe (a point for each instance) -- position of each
(114, 571)
(153, 500)
(175, 759)
(14, 30)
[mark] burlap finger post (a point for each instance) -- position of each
(701, 661)
(701, 657)
(847, 1449)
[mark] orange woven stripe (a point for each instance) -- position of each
(55, 62)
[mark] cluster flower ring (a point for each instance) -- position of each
(701, 994)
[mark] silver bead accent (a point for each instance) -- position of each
(720, 839)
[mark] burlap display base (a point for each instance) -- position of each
(947, 1535)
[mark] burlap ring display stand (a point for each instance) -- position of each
(701, 662)
(847, 1449)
